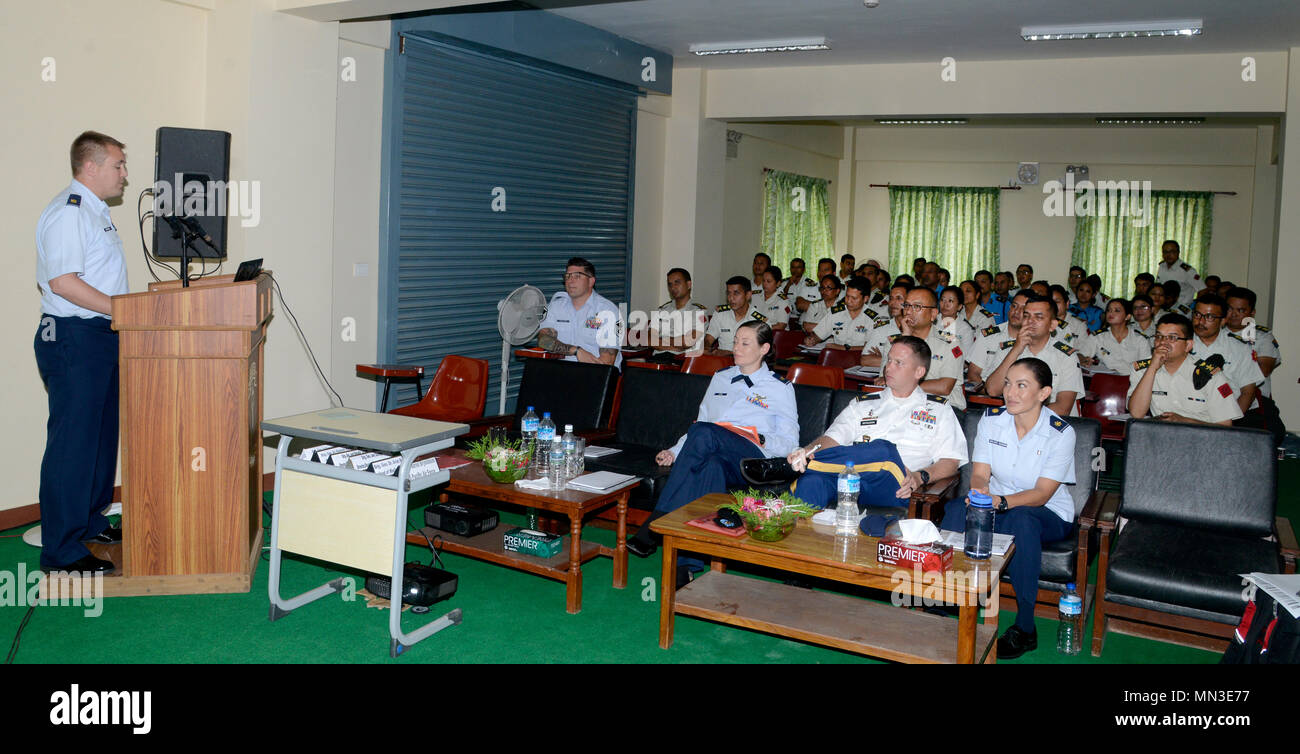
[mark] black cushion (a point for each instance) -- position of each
(1058, 558)
(1219, 478)
(575, 393)
(813, 403)
(658, 407)
(638, 460)
(1179, 565)
(840, 401)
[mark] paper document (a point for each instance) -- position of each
(861, 371)
(598, 451)
(1283, 587)
(749, 433)
(957, 541)
(817, 347)
(600, 481)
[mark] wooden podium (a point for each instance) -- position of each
(191, 411)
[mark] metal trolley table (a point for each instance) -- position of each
(350, 517)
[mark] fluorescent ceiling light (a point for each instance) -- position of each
(1151, 121)
(921, 121)
(1185, 27)
(760, 45)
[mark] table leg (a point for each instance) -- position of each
(717, 566)
(573, 591)
(383, 405)
(620, 549)
(667, 592)
(966, 634)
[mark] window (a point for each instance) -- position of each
(796, 220)
(955, 227)
(1118, 234)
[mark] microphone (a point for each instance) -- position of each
(197, 229)
(177, 229)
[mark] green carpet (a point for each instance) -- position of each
(509, 617)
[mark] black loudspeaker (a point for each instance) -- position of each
(191, 176)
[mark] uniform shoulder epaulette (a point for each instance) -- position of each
(1061, 321)
(1063, 348)
(1237, 337)
(701, 307)
(994, 410)
(74, 200)
(895, 337)
(722, 308)
(1140, 365)
(783, 296)
(808, 281)
(665, 304)
(780, 378)
(869, 397)
(841, 306)
(989, 330)
(1262, 328)
(1186, 266)
(1007, 344)
(985, 312)
(882, 321)
(754, 313)
(1057, 423)
(876, 299)
(936, 398)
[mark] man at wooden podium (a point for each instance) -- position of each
(79, 266)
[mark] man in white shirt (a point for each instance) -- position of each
(774, 305)
(886, 329)
(1171, 268)
(581, 323)
(1175, 387)
(679, 321)
(831, 290)
(720, 336)
(1033, 340)
(761, 262)
(79, 267)
(922, 427)
(1236, 359)
(848, 324)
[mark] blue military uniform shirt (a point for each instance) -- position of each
(765, 402)
(75, 234)
(593, 327)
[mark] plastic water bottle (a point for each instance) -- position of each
(545, 436)
(978, 544)
(568, 443)
(558, 469)
(528, 426)
(1069, 632)
(847, 487)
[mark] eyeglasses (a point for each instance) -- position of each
(1207, 317)
(573, 275)
(1168, 338)
(1142, 307)
(827, 288)
(917, 307)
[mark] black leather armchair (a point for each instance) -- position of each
(1200, 504)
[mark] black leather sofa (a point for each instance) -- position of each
(575, 393)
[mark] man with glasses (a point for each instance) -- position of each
(721, 335)
(831, 290)
(886, 329)
(991, 343)
(811, 293)
(947, 360)
(581, 323)
(1024, 278)
(848, 324)
(1234, 358)
(1241, 306)
(1172, 387)
(1033, 340)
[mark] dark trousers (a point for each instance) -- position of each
(1032, 527)
(77, 359)
(709, 462)
(880, 473)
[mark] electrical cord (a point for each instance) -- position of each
(148, 258)
(303, 338)
(13, 648)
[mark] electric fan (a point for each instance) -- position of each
(519, 317)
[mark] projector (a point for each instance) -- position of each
(422, 586)
(464, 520)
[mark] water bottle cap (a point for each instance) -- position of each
(568, 427)
(980, 500)
(1070, 586)
(546, 414)
(530, 408)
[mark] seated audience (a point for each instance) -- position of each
(1174, 387)
(679, 322)
(1142, 283)
(848, 324)
(1144, 322)
(1236, 359)
(581, 323)
(720, 336)
(771, 303)
(831, 290)
(886, 329)
(1034, 340)
(761, 262)
(1084, 308)
(1117, 346)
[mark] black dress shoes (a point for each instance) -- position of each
(763, 471)
(1016, 642)
(110, 536)
(641, 548)
(88, 564)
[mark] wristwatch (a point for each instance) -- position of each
(925, 476)
(1002, 504)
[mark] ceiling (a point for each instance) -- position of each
(900, 31)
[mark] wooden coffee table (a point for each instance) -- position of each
(567, 567)
(834, 620)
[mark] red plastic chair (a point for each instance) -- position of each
(706, 364)
(834, 357)
(1111, 391)
(784, 342)
(458, 392)
(811, 374)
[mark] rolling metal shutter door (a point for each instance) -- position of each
(560, 146)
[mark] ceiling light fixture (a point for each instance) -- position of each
(760, 45)
(921, 121)
(1151, 121)
(1185, 27)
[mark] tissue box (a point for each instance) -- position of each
(930, 557)
(532, 542)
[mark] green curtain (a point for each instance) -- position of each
(1112, 240)
(796, 220)
(956, 227)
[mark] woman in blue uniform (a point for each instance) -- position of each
(707, 458)
(1023, 457)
